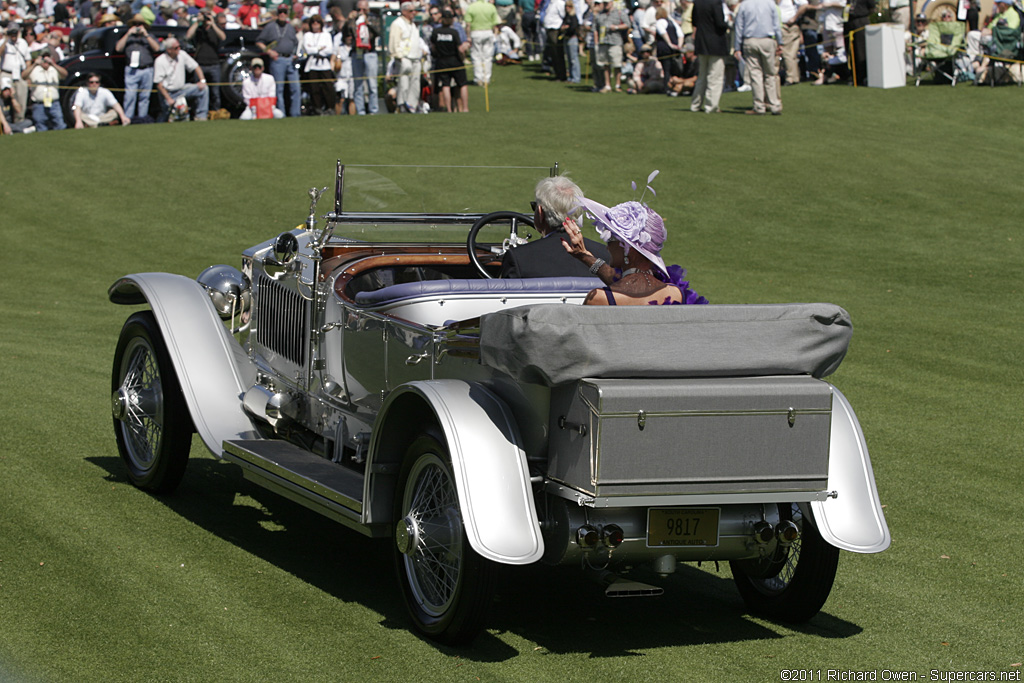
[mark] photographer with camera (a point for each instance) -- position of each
(207, 34)
(139, 49)
(43, 76)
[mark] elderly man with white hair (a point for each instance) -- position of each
(169, 73)
(556, 200)
(404, 46)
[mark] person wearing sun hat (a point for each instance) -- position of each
(259, 85)
(636, 273)
(140, 50)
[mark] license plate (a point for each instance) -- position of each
(667, 527)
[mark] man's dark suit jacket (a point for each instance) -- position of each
(546, 257)
(710, 28)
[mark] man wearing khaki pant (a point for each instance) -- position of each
(711, 45)
(758, 42)
(790, 12)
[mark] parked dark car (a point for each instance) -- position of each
(98, 55)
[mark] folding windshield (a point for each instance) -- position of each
(434, 204)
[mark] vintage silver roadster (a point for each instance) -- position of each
(375, 371)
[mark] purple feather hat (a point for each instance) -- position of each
(632, 223)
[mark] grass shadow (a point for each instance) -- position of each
(558, 608)
(566, 612)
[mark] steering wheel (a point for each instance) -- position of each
(513, 240)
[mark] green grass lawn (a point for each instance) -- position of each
(901, 206)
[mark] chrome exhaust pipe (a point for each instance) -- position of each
(587, 536)
(786, 532)
(612, 535)
(763, 532)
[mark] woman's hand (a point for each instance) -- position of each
(574, 245)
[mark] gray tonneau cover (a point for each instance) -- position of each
(551, 344)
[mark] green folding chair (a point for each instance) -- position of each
(946, 40)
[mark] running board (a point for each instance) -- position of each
(302, 476)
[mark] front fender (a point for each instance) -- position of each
(212, 367)
(853, 520)
(489, 467)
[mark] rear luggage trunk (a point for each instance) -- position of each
(628, 437)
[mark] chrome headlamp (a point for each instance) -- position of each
(231, 294)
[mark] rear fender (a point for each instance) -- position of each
(212, 367)
(488, 463)
(853, 520)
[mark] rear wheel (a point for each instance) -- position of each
(152, 424)
(446, 585)
(793, 583)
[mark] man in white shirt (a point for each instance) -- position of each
(554, 49)
(404, 46)
(95, 105)
(169, 76)
(14, 57)
(260, 84)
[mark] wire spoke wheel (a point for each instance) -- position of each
(141, 396)
(151, 421)
(435, 562)
(446, 585)
(791, 582)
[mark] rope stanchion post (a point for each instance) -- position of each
(853, 58)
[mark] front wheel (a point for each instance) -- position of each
(446, 585)
(152, 424)
(793, 583)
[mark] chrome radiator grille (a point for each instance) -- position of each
(282, 320)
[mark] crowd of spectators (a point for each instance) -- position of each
(325, 57)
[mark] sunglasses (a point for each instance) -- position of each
(94, 82)
(533, 206)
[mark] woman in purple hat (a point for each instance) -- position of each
(636, 275)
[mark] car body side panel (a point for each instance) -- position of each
(489, 466)
(212, 367)
(853, 520)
